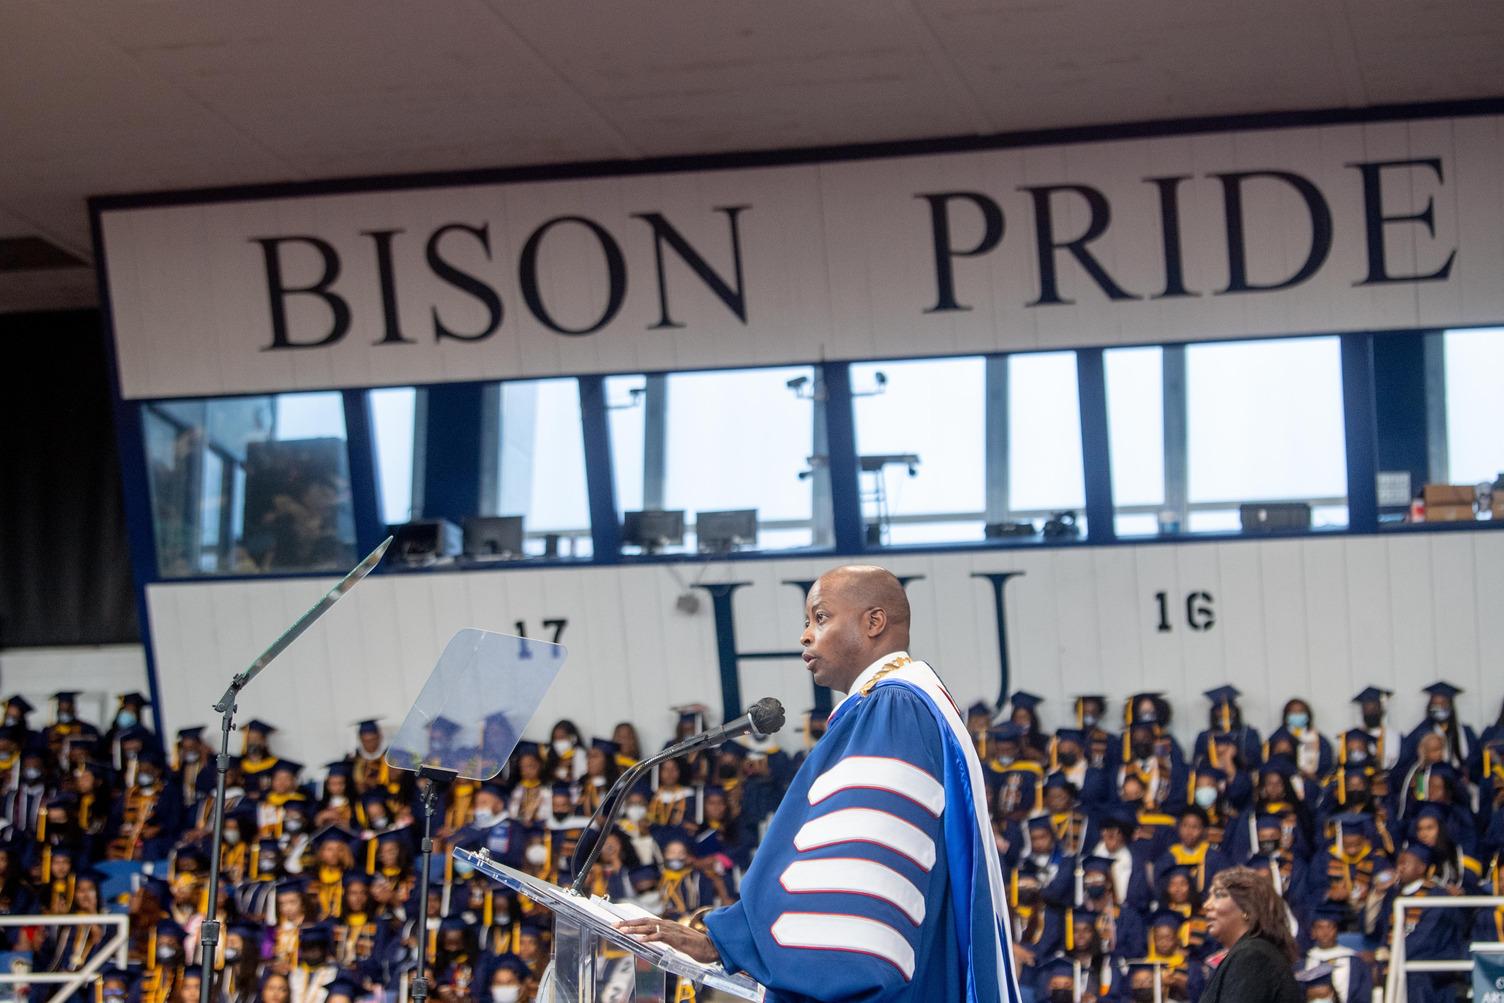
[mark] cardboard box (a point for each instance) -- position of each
(1449, 513)
(1448, 494)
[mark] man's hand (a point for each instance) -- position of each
(660, 931)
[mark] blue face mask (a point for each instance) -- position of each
(1298, 720)
(126, 719)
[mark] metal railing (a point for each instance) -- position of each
(1400, 966)
(113, 948)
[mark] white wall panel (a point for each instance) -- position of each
(838, 261)
(1316, 618)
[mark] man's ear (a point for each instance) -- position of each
(877, 621)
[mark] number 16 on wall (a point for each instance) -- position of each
(1199, 614)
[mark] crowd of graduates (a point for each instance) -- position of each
(319, 890)
(1110, 834)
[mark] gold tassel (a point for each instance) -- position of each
(1054, 754)
(1226, 709)
(46, 862)
(371, 856)
(151, 949)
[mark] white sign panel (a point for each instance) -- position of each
(1175, 238)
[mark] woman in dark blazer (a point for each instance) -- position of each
(1248, 917)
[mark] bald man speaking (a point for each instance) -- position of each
(878, 878)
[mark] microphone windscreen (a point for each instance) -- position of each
(767, 716)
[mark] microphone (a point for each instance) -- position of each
(764, 718)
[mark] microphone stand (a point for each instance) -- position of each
(616, 797)
(209, 939)
(437, 779)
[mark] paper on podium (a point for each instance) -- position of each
(472, 711)
(600, 916)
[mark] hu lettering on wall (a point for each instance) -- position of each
(1169, 238)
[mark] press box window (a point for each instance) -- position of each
(533, 473)
(719, 461)
(249, 485)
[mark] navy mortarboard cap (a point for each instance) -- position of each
(1057, 966)
(1208, 772)
(124, 976)
(20, 703)
(186, 733)
(1430, 811)
(1372, 694)
(295, 884)
(150, 756)
(169, 928)
(65, 695)
(451, 923)
(529, 749)
(1028, 701)
(1176, 870)
(1071, 735)
(443, 725)
(334, 833)
(1121, 818)
(647, 872)
(605, 745)
(1420, 851)
(1359, 735)
(134, 699)
(979, 709)
(1131, 711)
(287, 766)
(1006, 732)
(1223, 694)
(667, 834)
(691, 714)
(339, 768)
(312, 933)
(1319, 974)
(735, 750)
(1059, 781)
(1281, 765)
(373, 795)
(258, 725)
(1328, 910)
(516, 965)
(1441, 688)
(135, 733)
(370, 726)
(1268, 822)
(1041, 822)
(562, 791)
(713, 791)
(1092, 697)
(155, 887)
(1167, 917)
(345, 984)
(1353, 821)
(1097, 865)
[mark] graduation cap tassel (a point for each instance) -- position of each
(488, 910)
(371, 857)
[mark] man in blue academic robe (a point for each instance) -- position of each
(878, 879)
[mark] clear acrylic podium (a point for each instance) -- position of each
(593, 962)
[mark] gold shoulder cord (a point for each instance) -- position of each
(884, 672)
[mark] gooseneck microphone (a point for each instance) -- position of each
(765, 718)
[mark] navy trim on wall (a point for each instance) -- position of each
(841, 457)
(600, 478)
(365, 481)
(1358, 421)
(134, 486)
(1096, 457)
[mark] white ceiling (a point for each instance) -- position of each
(110, 96)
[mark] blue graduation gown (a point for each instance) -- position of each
(873, 882)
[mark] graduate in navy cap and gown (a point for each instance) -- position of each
(1430, 934)
(1373, 703)
(313, 968)
(1069, 759)
(1351, 976)
(492, 828)
(601, 772)
(143, 821)
(529, 803)
(1346, 876)
(257, 761)
(1024, 712)
(1100, 745)
(1298, 738)
(1459, 741)
(1014, 780)
(1226, 720)
(65, 724)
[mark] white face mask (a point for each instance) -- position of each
(485, 818)
(536, 855)
(505, 994)
(563, 746)
(635, 812)
(1206, 796)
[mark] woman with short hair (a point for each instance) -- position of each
(1245, 914)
